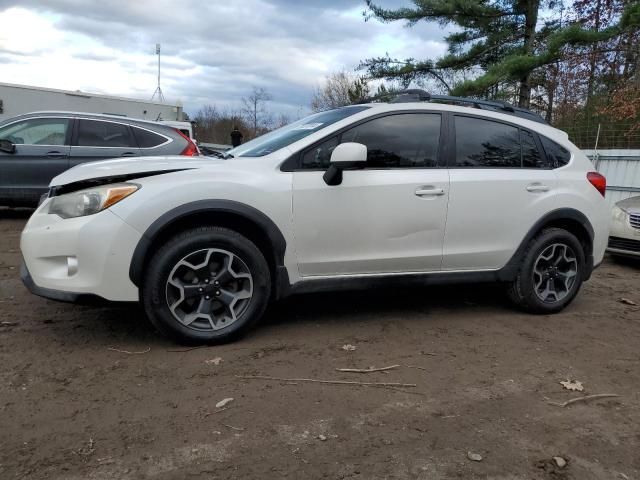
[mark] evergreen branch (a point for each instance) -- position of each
(515, 67)
(404, 70)
(445, 11)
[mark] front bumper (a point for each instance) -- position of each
(623, 238)
(80, 258)
(624, 246)
(58, 295)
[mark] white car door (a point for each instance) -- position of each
(501, 185)
(385, 218)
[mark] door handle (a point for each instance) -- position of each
(537, 187)
(55, 155)
(428, 191)
(128, 154)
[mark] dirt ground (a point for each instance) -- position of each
(485, 376)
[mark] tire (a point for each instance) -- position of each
(206, 285)
(536, 280)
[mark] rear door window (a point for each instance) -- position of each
(147, 139)
(484, 143)
(97, 133)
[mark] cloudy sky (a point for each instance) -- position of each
(213, 51)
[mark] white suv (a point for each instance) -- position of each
(412, 191)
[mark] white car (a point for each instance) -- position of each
(624, 237)
(407, 192)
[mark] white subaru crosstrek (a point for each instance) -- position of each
(416, 190)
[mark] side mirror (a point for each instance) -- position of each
(344, 156)
(7, 146)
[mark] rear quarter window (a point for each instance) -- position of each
(556, 154)
(147, 139)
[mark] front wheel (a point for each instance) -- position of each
(551, 272)
(206, 285)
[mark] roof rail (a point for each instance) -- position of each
(418, 95)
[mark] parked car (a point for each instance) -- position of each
(379, 194)
(184, 127)
(624, 239)
(36, 147)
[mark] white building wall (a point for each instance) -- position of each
(20, 99)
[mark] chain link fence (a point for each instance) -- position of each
(604, 136)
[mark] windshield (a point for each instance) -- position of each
(293, 132)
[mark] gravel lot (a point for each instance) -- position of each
(485, 375)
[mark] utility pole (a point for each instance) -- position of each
(158, 89)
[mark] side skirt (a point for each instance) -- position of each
(364, 282)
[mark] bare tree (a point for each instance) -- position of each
(255, 109)
(205, 121)
(281, 120)
(339, 89)
(214, 126)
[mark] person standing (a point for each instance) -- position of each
(236, 137)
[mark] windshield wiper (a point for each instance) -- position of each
(228, 155)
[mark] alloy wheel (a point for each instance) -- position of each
(554, 272)
(209, 289)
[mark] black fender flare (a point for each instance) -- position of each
(253, 215)
(510, 270)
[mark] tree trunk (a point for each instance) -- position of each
(531, 18)
(594, 58)
(550, 99)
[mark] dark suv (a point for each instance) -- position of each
(36, 147)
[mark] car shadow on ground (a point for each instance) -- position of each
(629, 262)
(386, 301)
(126, 323)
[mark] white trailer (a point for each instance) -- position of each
(19, 99)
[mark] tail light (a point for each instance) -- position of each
(191, 150)
(598, 181)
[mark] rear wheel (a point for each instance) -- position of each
(551, 272)
(206, 285)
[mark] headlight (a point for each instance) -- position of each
(620, 207)
(91, 200)
(619, 214)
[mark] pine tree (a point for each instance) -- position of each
(502, 38)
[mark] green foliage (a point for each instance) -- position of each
(516, 66)
(631, 16)
(497, 36)
(358, 90)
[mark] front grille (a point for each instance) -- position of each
(634, 220)
(624, 244)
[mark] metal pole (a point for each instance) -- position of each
(595, 149)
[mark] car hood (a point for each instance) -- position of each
(630, 204)
(130, 167)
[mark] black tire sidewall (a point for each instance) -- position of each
(161, 264)
(525, 283)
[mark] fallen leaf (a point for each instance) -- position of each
(572, 385)
(626, 301)
(348, 347)
(560, 462)
(475, 457)
(224, 402)
(213, 361)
